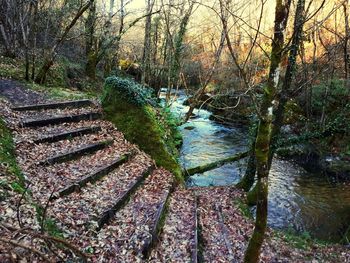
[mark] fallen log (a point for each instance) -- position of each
(210, 166)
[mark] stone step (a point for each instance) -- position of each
(121, 201)
(76, 153)
(68, 134)
(83, 210)
(178, 241)
(152, 239)
(93, 177)
(62, 119)
(222, 237)
(133, 231)
(55, 105)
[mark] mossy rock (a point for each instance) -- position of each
(131, 108)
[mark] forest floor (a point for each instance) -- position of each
(86, 193)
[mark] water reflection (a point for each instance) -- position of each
(297, 199)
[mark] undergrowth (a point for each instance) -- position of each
(12, 179)
(11, 175)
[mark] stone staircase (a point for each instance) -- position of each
(111, 201)
(104, 194)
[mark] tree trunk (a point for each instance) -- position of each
(210, 166)
(262, 147)
(347, 44)
(248, 179)
(178, 48)
(51, 56)
(146, 55)
(91, 64)
(48, 62)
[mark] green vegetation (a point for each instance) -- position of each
(298, 240)
(48, 224)
(13, 179)
(328, 95)
(9, 68)
(65, 81)
(243, 207)
(133, 109)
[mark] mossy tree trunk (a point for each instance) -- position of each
(210, 166)
(262, 146)
(248, 179)
(48, 62)
(91, 43)
(175, 65)
(91, 64)
(286, 92)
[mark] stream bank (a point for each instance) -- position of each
(298, 199)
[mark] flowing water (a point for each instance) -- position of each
(298, 199)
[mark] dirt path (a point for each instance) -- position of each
(16, 93)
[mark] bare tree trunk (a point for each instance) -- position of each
(146, 55)
(195, 100)
(262, 147)
(91, 43)
(51, 56)
(178, 48)
(347, 43)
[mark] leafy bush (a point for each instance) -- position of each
(330, 95)
(129, 90)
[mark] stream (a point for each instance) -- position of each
(298, 200)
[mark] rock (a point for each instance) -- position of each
(312, 160)
(203, 98)
(306, 155)
(189, 128)
(336, 166)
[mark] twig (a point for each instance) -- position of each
(19, 205)
(16, 244)
(43, 218)
(46, 237)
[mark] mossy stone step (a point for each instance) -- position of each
(155, 228)
(68, 134)
(108, 214)
(62, 119)
(55, 105)
(93, 177)
(76, 153)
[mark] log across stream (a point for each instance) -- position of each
(299, 200)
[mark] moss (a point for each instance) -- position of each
(298, 240)
(252, 196)
(9, 68)
(49, 225)
(15, 179)
(61, 92)
(129, 108)
(243, 207)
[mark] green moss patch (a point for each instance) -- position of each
(132, 108)
(12, 178)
